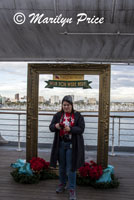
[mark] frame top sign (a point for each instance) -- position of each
(70, 77)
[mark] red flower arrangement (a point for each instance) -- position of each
(38, 164)
(91, 170)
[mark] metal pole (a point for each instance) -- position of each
(112, 150)
(19, 148)
(119, 133)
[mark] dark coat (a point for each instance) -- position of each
(78, 154)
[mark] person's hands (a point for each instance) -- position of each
(67, 128)
(57, 126)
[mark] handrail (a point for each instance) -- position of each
(85, 115)
(116, 127)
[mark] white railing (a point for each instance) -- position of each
(13, 128)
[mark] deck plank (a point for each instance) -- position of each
(45, 190)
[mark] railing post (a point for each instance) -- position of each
(19, 148)
(119, 133)
(112, 150)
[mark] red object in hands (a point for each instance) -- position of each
(62, 126)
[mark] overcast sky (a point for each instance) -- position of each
(13, 79)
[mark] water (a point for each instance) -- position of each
(9, 128)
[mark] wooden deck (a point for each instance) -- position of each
(10, 190)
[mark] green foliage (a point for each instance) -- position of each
(27, 179)
(88, 182)
(23, 178)
(47, 174)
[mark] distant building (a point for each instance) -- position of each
(0, 99)
(54, 99)
(4, 100)
(72, 97)
(81, 101)
(17, 96)
(41, 99)
(14, 100)
(8, 100)
(85, 100)
(92, 101)
(23, 99)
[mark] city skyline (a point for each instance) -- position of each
(52, 99)
(13, 79)
(54, 104)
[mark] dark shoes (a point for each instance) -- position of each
(72, 195)
(60, 188)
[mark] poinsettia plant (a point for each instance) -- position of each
(91, 170)
(33, 171)
(38, 169)
(38, 164)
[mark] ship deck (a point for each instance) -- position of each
(10, 190)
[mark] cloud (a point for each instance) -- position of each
(124, 94)
(15, 68)
(13, 79)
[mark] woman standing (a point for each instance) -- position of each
(68, 145)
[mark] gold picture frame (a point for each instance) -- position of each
(34, 70)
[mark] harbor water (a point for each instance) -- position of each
(123, 128)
